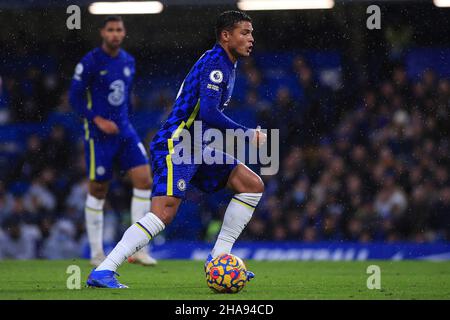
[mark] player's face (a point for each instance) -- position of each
(241, 39)
(113, 34)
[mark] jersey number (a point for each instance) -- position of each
(117, 95)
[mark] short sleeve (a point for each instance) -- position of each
(213, 80)
(84, 69)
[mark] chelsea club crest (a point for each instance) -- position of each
(181, 184)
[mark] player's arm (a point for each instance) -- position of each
(130, 88)
(213, 82)
(212, 86)
(78, 92)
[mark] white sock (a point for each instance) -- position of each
(238, 214)
(134, 239)
(93, 212)
(140, 205)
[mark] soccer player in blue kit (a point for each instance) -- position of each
(205, 92)
(100, 93)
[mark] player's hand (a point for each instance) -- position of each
(106, 126)
(259, 138)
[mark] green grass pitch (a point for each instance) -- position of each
(184, 279)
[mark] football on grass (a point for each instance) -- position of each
(226, 274)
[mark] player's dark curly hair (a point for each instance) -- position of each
(109, 19)
(226, 21)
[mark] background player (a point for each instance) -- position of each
(203, 95)
(100, 92)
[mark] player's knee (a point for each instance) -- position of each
(143, 184)
(166, 213)
(98, 190)
(252, 184)
(257, 184)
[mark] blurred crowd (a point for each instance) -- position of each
(380, 174)
(377, 170)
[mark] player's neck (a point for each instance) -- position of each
(229, 54)
(113, 52)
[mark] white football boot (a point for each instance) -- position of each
(97, 259)
(142, 257)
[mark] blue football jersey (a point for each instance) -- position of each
(206, 89)
(101, 86)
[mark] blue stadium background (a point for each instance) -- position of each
(363, 118)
